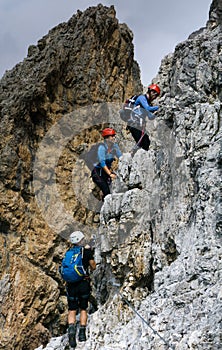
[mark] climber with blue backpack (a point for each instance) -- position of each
(134, 112)
(102, 175)
(75, 271)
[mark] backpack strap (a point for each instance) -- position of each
(147, 99)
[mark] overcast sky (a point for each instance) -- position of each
(158, 26)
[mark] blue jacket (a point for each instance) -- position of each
(106, 158)
(143, 109)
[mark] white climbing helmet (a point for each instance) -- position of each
(76, 237)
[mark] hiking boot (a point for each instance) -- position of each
(72, 335)
(82, 333)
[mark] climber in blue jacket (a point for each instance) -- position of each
(143, 108)
(102, 174)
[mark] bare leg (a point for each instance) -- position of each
(71, 316)
(83, 317)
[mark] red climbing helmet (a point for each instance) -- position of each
(108, 132)
(154, 87)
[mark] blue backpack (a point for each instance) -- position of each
(72, 269)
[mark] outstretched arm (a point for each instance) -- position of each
(142, 101)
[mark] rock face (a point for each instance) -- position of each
(160, 231)
(158, 242)
(81, 63)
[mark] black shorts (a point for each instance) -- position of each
(101, 179)
(78, 295)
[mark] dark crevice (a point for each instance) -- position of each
(152, 275)
(4, 226)
(170, 250)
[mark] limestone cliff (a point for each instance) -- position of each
(78, 66)
(160, 232)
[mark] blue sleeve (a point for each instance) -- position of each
(117, 149)
(142, 101)
(102, 155)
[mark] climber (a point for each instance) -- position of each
(142, 108)
(102, 174)
(78, 293)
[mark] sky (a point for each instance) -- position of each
(158, 26)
